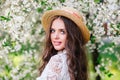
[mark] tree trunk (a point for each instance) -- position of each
(95, 56)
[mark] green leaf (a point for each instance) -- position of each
(7, 68)
(106, 45)
(110, 56)
(98, 1)
(3, 18)
(9, 43)
(49, 8)
(62, 1)
(118, 26)
(39, 10)
(102, 68)
(33, 31)
(110, 75)
(43, 2)
(117, 49)
(93, 38)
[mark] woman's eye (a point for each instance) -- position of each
(63, 32)
(52, 30)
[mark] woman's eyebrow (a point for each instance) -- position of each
(52, 28)
(62, 29)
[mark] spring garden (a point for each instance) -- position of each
(22, 36)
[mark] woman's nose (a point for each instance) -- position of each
(56, 35)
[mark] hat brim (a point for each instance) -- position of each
(78, 20)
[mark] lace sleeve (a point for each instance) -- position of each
(53, 69)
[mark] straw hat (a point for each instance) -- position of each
(70, 13)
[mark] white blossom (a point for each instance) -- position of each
(24, 19)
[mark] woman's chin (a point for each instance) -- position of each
(58, 48)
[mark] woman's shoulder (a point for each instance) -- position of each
(59, 57)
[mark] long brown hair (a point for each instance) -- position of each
(76, 56)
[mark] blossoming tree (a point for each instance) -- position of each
(22, 36)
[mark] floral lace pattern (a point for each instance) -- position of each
(56, 69)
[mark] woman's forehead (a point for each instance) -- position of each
(58, 23)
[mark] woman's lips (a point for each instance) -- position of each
(57, 43)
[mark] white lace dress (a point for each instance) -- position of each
(57, 68)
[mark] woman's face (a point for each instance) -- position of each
(58, 34)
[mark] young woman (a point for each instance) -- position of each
(64, 55)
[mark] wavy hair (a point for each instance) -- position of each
(76, 56)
